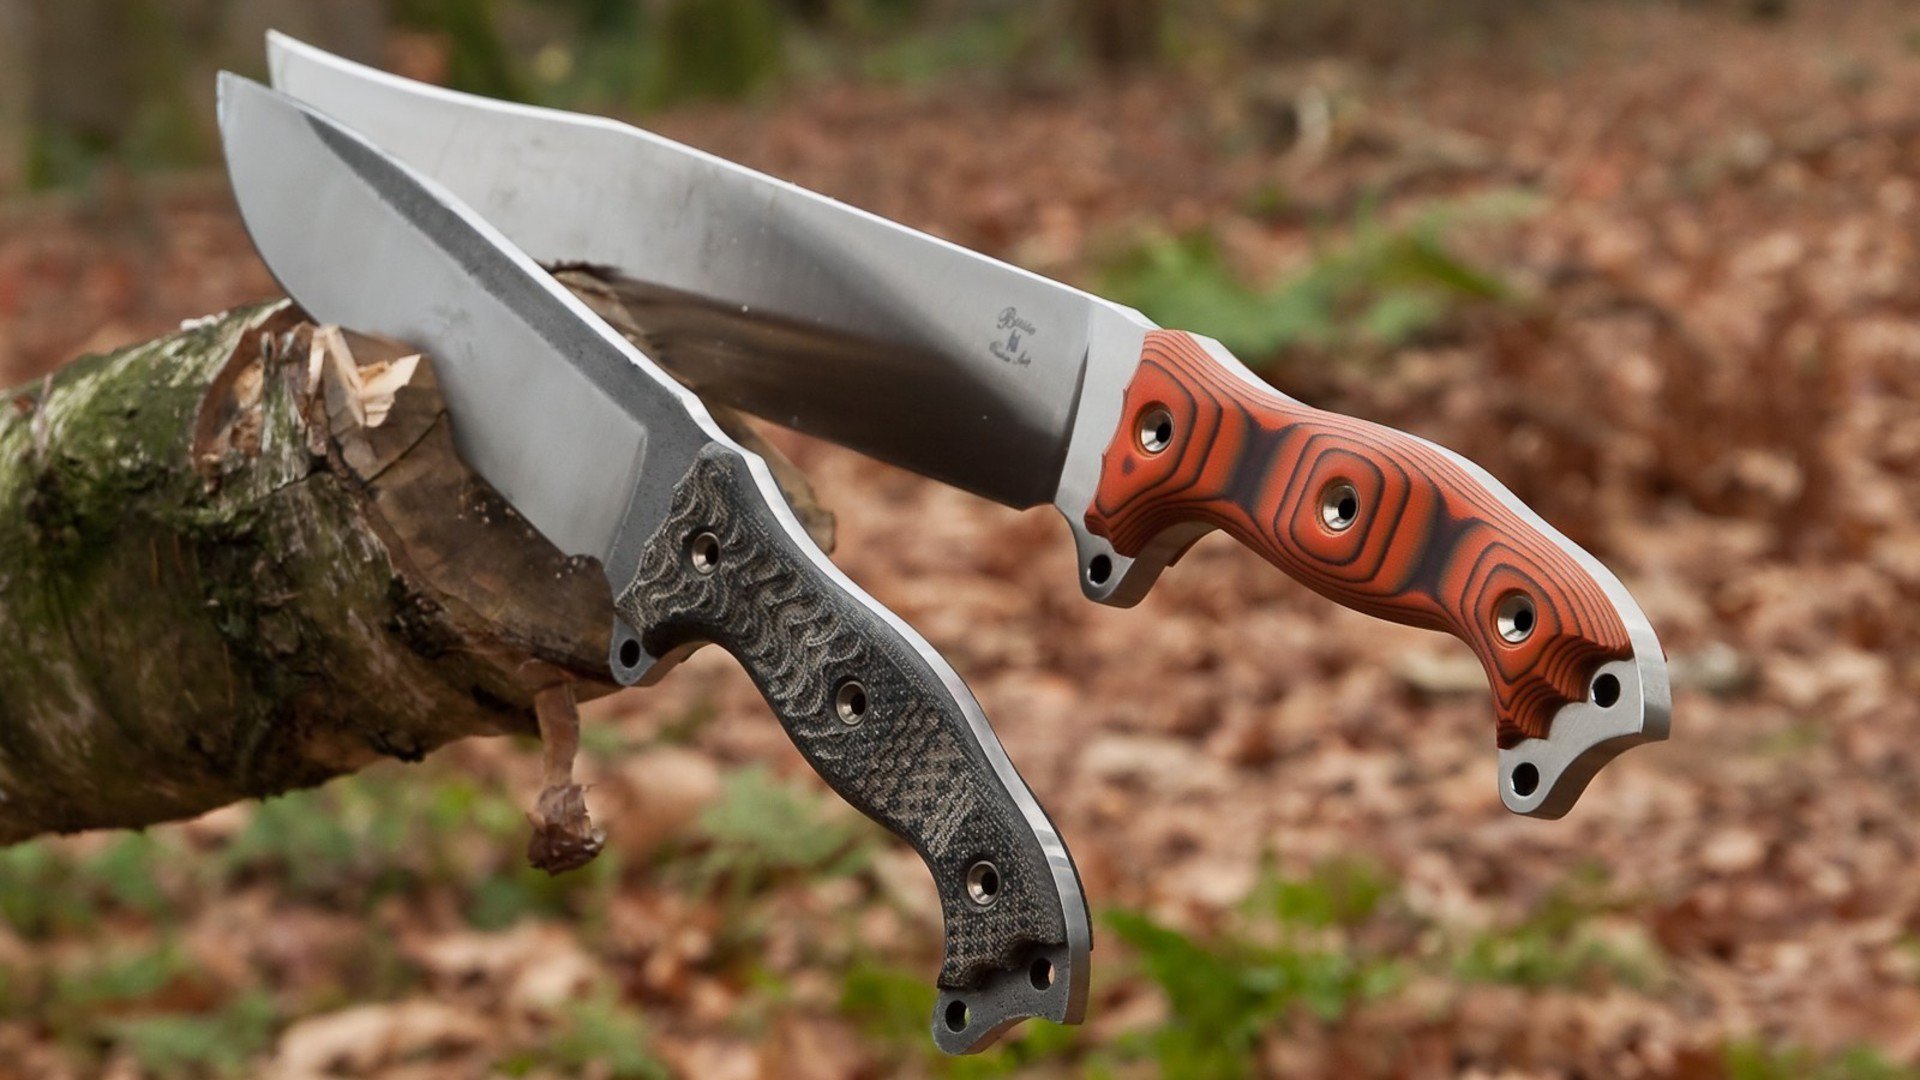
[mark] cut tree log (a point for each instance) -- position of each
(245, 558)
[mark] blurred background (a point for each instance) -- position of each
(1652, 263)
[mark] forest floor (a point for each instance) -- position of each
(1657, 270)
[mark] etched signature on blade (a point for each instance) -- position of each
(1011, 345)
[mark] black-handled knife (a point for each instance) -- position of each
(608, 457)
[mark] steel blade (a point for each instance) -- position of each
(914, 350)
(551, 409)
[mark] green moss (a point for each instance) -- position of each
(190, 632)
(124, 547)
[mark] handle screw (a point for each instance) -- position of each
(703, 551)
(1515, 618)
(1156, 429)
(850, 702)
(1339, 506)
(983, 883)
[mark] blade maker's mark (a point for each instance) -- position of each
(1011, 343)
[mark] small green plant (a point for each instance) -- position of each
(1757, 1061)
(1535, 954)
(889, 1004)
(78, 999)
(1222, 994)
(34, 880)
(759, 833)
(1563, 942)
(894, 1007)
(127, 872)
(1340, 892)
(597, 1036)
(520, 892)
(105, 1000)
(220, 1043)
(395, 832)
(46, 889)
(762, 828)
(1383, 287)
(118, 977)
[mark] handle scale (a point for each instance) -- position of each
(1372, 518)
(874, 719)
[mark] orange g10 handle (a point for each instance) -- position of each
(1372, 518)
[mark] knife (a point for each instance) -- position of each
(840, 323)
(609, 457)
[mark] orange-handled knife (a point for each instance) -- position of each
(840, 323)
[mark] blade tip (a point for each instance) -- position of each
(282, 49)
(227, 88)
(234, 93)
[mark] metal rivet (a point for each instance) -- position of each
(1156, 429)
(703, 551)
(850, 702)
(1515, 618)
(983, 883)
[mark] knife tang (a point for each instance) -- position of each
(1372, 518)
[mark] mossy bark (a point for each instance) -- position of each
(216, 583)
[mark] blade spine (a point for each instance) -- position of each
(295, 49)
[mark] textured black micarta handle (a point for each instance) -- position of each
(864, 708)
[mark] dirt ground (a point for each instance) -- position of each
(1709, 373)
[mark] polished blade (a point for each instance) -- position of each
(775, 299)
(555, 410)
